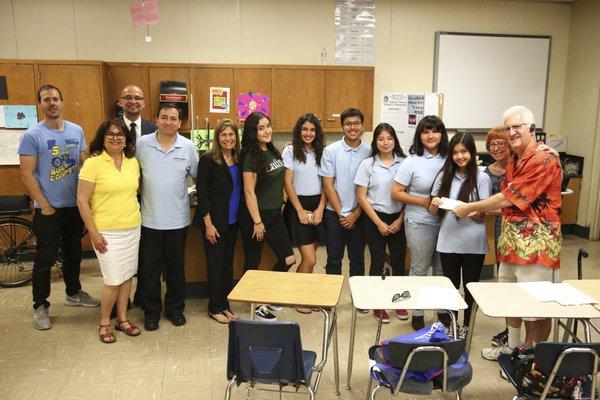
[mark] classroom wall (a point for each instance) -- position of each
(581, 107)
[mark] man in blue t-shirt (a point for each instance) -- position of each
(51, 153)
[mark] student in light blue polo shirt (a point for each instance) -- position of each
(167, 160)
(412, 186)
(462, 242)
(343, 223)
(384, 225)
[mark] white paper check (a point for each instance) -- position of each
(450, 204)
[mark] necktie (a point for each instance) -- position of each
(132, 128)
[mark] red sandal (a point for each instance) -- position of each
(131, 330)
(108, 336)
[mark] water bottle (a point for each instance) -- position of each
(323, 56)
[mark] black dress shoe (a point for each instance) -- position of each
(150, 324)
(178, 320)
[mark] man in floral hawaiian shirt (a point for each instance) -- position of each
(530, 240)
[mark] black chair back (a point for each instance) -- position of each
(267, 352)
(424, 361)
(573, 365)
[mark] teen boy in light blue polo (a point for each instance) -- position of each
(343, 223)
(167, 161)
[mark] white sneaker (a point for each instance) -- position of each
(262, 313)
(492, 353)
(275, 308)
(82, 299)
(41, 318)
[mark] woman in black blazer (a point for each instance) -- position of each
(218, 189)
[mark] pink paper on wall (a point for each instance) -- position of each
(251, 102)
(151, 12)
(137, 14)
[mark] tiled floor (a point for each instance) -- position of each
(69, 362)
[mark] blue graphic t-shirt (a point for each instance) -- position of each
(57, 153)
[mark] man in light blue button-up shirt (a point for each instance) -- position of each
(343, 223)
(167, 161)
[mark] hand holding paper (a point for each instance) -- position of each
(449, 204)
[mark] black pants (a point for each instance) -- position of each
(470, 265)
(158, 247)
(63, 228)
(219, 267)
(339, 237)
(396, 243)
(276, 235)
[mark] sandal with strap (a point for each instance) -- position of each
(131, 330)
(229, 314)
(220, 317)
(108, 336)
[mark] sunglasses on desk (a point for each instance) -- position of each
(401, 296)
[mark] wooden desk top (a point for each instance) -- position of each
(509, 300)
(591, 287)
(288, 289)
(374, 293)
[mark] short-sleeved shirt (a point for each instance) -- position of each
(463, 235)
(531, 228)
(340, 161)
(417, 173)
(269, 190)
(57, 155)
(306, 179)
(377, 178)
(114, 200)
(165, 201)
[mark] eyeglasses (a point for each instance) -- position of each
(401, 296)
(499, 144)
(116, 135)
(351, 124)
(130, 98)
(515, 127)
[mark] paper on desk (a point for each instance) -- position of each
(450, 204)
(562, 293)
(438, 298)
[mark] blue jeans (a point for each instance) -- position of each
(421, 239)
(339, 237)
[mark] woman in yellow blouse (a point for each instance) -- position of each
(106, 197)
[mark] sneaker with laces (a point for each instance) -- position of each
(275, 308)
(463, 331)
(402, 315)
(492, 353)
(82, 299)
(262, 313)
(41, 318)
(385, 318)
(500, 339)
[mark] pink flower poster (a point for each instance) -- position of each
(251, 102)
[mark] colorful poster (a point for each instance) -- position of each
(250, 102)
(144, 13)
(219, 100)
(20, 117)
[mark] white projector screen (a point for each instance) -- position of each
(481, 75)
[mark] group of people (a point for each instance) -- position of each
(347, 194)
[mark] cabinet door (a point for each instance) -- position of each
(120, 76)
(345, 89)
(203, 79)
(158, 74)
(20, 84)
(82, 89)
(297, 91)
(252, 79)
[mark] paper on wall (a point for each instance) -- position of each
(2, 124)
(9, 146)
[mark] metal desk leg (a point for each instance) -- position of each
(336, 362)
(586, 330)
(351, 347)
(454, 328)
(252, 311)
(474, 309)
(568, 330)
(379, 323)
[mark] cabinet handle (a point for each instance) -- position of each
(331, 119)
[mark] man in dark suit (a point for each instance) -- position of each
(132, 101)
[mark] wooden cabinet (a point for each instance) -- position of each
(297, 91)
(202, 80)
(345, 88)
(570, 203)
(82, 87)
(158, 74)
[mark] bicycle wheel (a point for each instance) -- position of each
(17, 252)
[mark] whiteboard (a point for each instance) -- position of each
(482, 75)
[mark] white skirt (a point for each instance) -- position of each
(120, 261)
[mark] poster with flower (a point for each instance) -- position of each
(251, 102)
